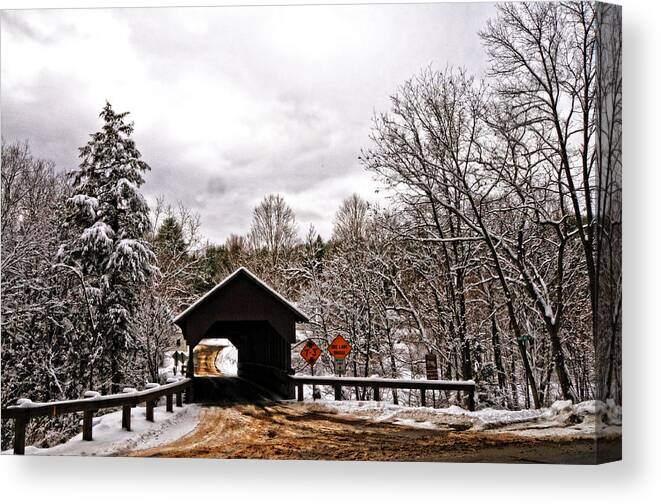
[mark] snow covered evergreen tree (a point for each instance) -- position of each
(105, 244)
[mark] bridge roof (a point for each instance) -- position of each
(242, 271)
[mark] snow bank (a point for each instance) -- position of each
(166, 371)
(227, 361)
(110, 439)
(429, 417)
(222, 342)
(585, 417)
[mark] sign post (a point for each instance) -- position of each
(431, 366)
(340, 367)
(311, 353)
(339, 349)
(175, 357)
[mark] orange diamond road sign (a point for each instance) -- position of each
(339, 348)
(310, 352)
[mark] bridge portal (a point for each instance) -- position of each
(257, 320)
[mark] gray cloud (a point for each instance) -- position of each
(230, 104)
(49, 117)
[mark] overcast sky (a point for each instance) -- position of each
(229, 104)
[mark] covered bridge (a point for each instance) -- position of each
(258, 321)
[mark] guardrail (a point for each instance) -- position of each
(25, 409)
(376, 384)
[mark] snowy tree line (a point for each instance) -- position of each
(90, 277)
(497, 250)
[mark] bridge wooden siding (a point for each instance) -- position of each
(23, 412)
(258, 321)
(376, 384)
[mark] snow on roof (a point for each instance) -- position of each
(242, 270)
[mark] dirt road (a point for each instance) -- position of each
(309, 431)
(306, 431)
(205, 360)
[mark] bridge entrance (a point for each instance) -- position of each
(215, 357)
(257, 320)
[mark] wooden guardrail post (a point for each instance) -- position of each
(168, 397)
(126, 410)
(149, 411)
(179, 397)
(88, 415)
(189, 394)
(89, 405)
(149, 405)
(20, 426)
(126, 418)
(376, 384)
(299, 391)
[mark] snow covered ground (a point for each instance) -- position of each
(562, 418)
(110, 439)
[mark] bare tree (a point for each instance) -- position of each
(176, 245)
(273, 228)
(273, 237)
(40, 343)
(441, 147)
(351, 219)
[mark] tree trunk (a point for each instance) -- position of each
(559, 362)
(497, 355)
